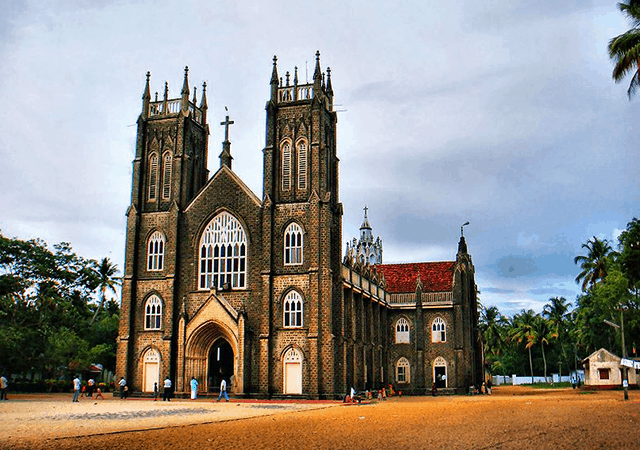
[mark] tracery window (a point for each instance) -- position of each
(439, 330)
(153, 313)
(153, 176)
(293, 245)
(402, 331)
(286, 166)
(403, 371)
(293, 310)
(155, 252)
(166, 181)
(223, 254)
(302, 165)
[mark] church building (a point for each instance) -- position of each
(220, 283)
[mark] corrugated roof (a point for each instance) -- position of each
(435, 276)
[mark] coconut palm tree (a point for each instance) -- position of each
(541, 333)
(557, 313)
(594, 264)
(105, 272)
(624, 50)
(522, 330)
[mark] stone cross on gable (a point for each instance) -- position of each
(226, 124)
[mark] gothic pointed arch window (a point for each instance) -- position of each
(292, 308)
(223, 254)
(403, 371)
(302, 165)
(155, 252)
(293, 245)
(402, 331)
(438, 330)
(153, 313)
(166, 175)
(153, 176)
(286, 165)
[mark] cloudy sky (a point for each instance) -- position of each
(498, 113)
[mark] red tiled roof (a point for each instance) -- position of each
(401, 278)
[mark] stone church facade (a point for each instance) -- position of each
(220, 283)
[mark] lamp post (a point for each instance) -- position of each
(625, 383)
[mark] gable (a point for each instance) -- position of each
(227, 184)
(434, 276)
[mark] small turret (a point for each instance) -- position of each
(329, 88)
(184, 104)
(274, 79)
(146, 98)
(203, 102)
(317, 74)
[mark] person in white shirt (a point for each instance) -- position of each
(166, 394)
(194, 388)
(76, 389)
(223, 390)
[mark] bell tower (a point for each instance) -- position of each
(302, 227)
(169, 168)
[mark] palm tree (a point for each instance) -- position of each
(624, 50)
(492, 329)
(105, 272)
(557, 312)
(594, 264)
(541, 332)
(522, 331)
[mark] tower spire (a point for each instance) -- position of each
(274, 79)
(203, 102)
(317, 74)
(185, 91)
(146, 98)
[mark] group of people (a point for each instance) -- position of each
(88, 390)
(167, 391)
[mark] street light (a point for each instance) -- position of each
(625, 378)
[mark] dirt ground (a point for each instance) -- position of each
(511, 418)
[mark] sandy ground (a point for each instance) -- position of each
(512, 418)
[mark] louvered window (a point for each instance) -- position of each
(302, 165)
(166, 182)
(286, 166)
(153, 177)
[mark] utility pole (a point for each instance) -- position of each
(625, 378)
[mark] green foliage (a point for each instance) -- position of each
(49, 322)
(624, 50)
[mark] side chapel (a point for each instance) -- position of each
(220, 283)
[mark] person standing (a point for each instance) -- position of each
(91, 384)
(166, 393)
(155, 391)
(76, 389)
(123, 384)
(194, 388)
(223, 390)
(489, 386)
(4, 384)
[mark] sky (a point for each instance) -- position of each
(501, 114)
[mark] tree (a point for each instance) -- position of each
(594, 264)
(105, 272)
(630, 253)
(492, 329)
(624, 50)
(541, 333)
(557, 313)
(523, 332)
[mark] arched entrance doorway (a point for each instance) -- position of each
(151, 369)
(221, 364)
(440, 372)
(292, 372)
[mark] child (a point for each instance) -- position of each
(99, 394)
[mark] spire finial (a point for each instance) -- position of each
(185, 84)
(287, 76)
(329, 87)
(166, 90)
(147, 94)
(317, 74)
(462, 228)
(195, 98)
(203, 102)
(274, 73)
(295, 77)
